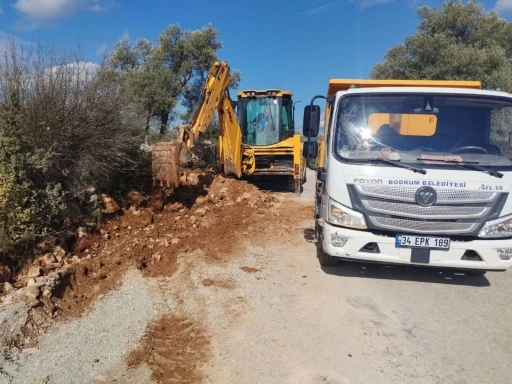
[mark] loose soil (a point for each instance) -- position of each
(174, 348)
(214, 214)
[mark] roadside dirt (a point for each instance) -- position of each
(174, 348)
(211, 214)
(218, 216)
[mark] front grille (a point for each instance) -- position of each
(419, 212)
(424, 226)
(456, 212)
(444, 196)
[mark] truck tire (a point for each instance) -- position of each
(475, 272)
(324, 259)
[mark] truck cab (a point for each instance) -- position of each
(413, 173)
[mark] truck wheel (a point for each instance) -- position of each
(325, 259)
(475, 272)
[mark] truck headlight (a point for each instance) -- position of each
(501, 227)
(345, 217)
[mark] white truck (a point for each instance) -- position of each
(413, 172)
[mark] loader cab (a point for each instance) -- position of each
(265, 117)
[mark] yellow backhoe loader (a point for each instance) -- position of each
(257, 134)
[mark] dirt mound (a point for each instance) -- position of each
(174, 348)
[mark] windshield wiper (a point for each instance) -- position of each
(394, 163)
(472, 165)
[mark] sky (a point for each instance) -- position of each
(289, 44)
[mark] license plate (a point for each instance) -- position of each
(408, 241)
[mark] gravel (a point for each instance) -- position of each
(85, 348)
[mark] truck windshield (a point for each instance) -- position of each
(413, 128)
(265, 120)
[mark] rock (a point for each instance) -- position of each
(200, 212)
(175, 241)
(193, 179)
(7, 288)
(47, 292)
(176, 207)
(193, 219)
(5, 273)
(135, 198)
(110, 204)
(213, 199)
(47, 261)
(31, 292)
(34, 271)
(246, 196)
(201, 200)
(81, 232)
(239, 199)
(280, 199)
(90, 190)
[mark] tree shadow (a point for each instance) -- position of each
(354, 268)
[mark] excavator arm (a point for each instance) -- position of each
(167, 157)
(215, 98)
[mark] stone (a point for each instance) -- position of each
(200, 212)
(110, 204)
(34, 271)
(81, 232)
(7, 288)
(201, 200)
(31, 292)
(135, 198)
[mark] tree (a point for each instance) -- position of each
(455, 41)
(171, 72)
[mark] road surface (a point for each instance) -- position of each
(360, 323)
(271, 314)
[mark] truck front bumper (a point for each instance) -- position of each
(350, 244)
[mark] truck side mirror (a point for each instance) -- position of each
(311, 121)
(310, 149)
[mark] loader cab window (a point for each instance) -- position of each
(260, 120)
(287, 117)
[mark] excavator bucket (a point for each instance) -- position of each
(167, 160)
(166, 164)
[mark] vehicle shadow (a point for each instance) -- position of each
(398, 272)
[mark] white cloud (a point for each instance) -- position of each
(503, 6)
(50, 10)
(321, 8)
(326, 6)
